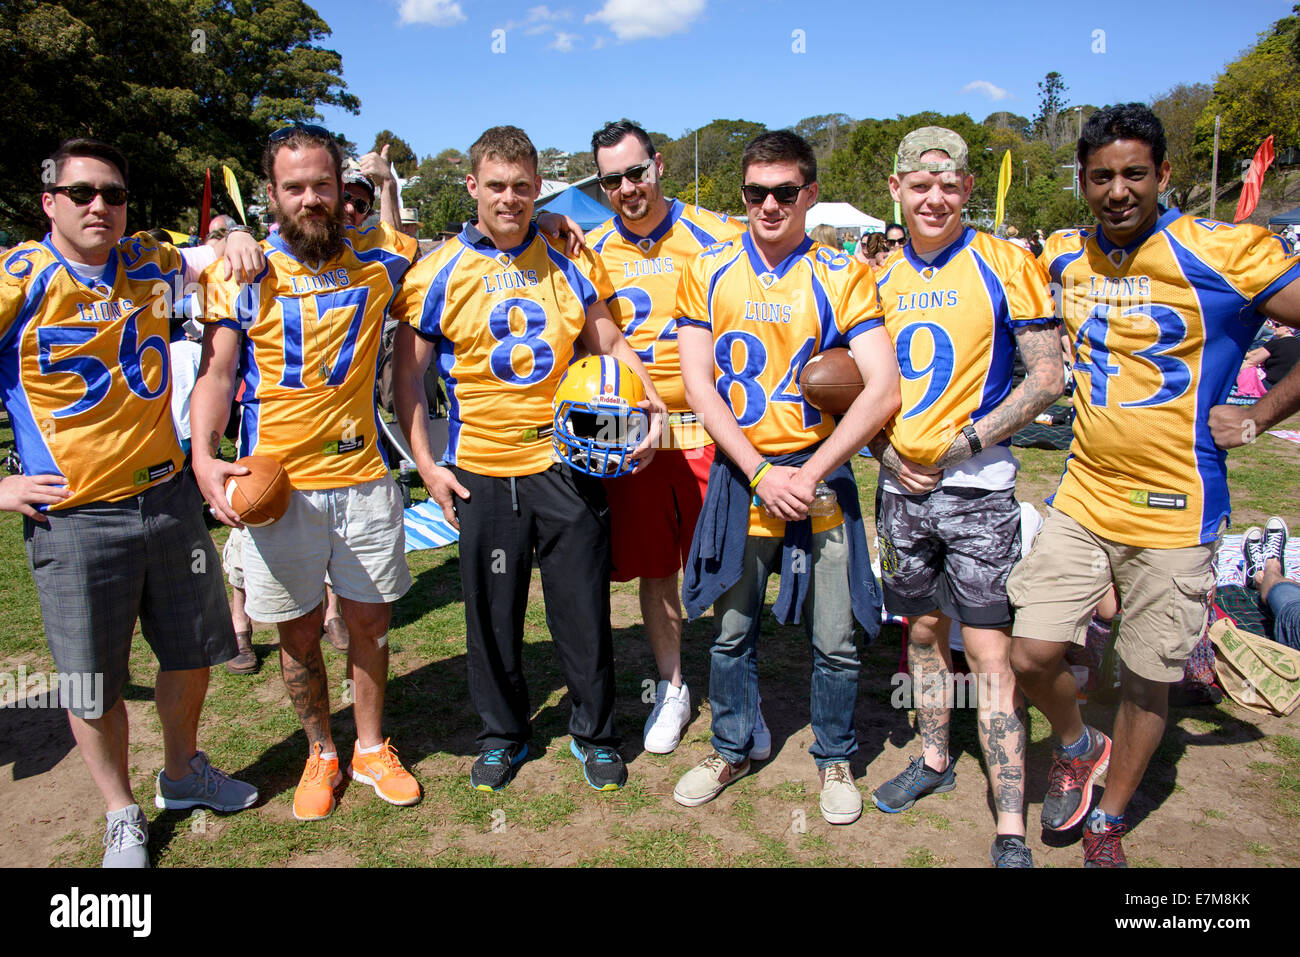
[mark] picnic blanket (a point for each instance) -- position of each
(426, 528)
(1230, 566)
(1042, 435)
(1291, 435)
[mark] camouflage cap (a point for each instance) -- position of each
(929, 138)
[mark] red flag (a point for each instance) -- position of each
(1254, 180)
(205, 214)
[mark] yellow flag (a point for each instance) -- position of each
(1004, 184)
(232, 187)
(178, 238)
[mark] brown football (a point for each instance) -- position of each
(262, 496)
(830, 381)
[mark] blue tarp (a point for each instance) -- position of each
(1286, 219)
(575, 203)
(426, 528)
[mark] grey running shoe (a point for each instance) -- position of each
(126, 838)
(915, 782)
(204, 786)
(1010, 851)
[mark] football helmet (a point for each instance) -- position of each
(597, 422)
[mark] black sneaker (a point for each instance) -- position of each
(1010, 850)
(1275, 536)
(1070, 781)
(603, 768)
(1252, 552)
(494, 769)
(904, 790)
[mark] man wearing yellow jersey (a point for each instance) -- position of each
(113, 531)
(504, 311)
(652, 514)
(304, 338)
(752, 312)
(1161, 308)
(957, 304)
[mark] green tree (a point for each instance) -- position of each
(1258, 94)
(721, 144)
(437, 191)
(1179, 110)
(1048, 122)
(400, 153)
(178, 85)
(1003, 119)
(825, 132)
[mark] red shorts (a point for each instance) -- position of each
(652, 514)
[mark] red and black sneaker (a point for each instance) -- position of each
(1101, 842)
(1070, 781)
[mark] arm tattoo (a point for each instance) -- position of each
(214, 443)
(1041, 348)
(308, 688)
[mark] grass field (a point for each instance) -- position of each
(550, 817)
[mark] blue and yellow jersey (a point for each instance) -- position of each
(309, 355)
(1159, 330)
(85, 370)
(505, 324)
(766, 324)
(953, 322)
(644, 271)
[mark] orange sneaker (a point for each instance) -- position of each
(383, 772)
(314, 798)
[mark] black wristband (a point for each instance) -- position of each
(973, 439)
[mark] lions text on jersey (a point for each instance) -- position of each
(1159, 331)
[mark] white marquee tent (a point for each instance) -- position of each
(842, 216)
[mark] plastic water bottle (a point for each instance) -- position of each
(824, 500)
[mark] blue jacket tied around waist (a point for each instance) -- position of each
(717, 553)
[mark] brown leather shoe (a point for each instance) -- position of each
(336, 631)
(244, 663)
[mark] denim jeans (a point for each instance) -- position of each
(828, 619)
(1284, 601)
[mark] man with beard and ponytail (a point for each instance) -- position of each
(304, 339)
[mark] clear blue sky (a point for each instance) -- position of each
(426, 68)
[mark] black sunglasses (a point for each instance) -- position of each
(310, 129)
(785, 195)
(895, 242)
(615, 180)
(361, 205)
(84, 195)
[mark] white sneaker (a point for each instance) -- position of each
(762, 749)
(841, 801)
(671, 715)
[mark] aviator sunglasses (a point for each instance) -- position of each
(613, 181)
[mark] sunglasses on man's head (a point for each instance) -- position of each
(359, 203)
(785, 195)
(615, 180)
(310, 129)
(84, 195)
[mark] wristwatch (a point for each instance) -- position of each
(973, 440)
(239, 229)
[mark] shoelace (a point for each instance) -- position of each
(1272, 547)
(120, 830)
(495, 756)
(213, 779)
(388, 756)
(914, 776)
(838, 774)
(1015, 855)
(604, 755)
(315, 770)
(1105, 845)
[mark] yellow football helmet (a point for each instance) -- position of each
(597, 421)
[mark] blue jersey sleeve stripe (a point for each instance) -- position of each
(29, 439)
(1025, 323)
(446, 368)
(1056, 268)
(1277, 285)
(1218, 300)
(598, 246)
(703, 238)
(862, 327)
(580, 284)
(688, 321)
(228, 324)
(435, 299)
(35, 294)
(831, 338)
(394, 264)
(717, 277)
(997, 378)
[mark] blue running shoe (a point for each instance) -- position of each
(904, 790)
(603, 768)
(494, 769)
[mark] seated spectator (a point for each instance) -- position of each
(1275, 358)
(1265, 554)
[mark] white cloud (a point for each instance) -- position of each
(438, 13)
(987, 89)
(564, 41)
(540, 19)
(638, 20)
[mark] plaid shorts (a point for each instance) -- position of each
(99, 567)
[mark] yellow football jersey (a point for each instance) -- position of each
(85, 369)
(1159, 330)
(505, 324)
(953, 322)
(766, 324)
(644, 271)
(309, 355)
